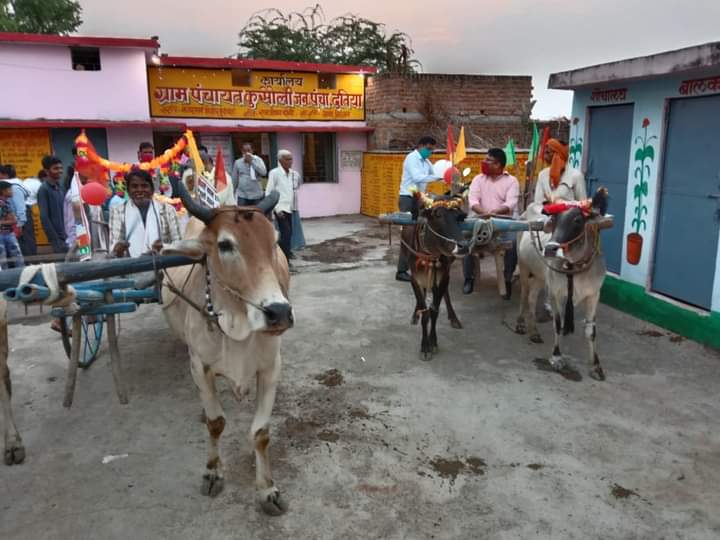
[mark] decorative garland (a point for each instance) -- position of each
(86, 152)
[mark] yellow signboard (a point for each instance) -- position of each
(267, 95)
(24, 149)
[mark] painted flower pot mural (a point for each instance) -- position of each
(576, 145)
(644, 156)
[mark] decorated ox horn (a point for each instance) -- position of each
(194, 208)
(268, 202)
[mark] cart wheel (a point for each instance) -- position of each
(92, 331)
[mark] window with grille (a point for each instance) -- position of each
(85, 58)
(319, 157)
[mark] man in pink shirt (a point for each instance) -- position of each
(493, 193)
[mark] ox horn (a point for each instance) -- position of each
(195, 209)
(268, 202)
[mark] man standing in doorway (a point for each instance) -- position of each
(494, 192)
(285, 181)
(417, 172)
(51, 201)
(246, 174)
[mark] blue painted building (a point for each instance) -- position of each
(648, 128)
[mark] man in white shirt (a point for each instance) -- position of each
(285, 181)
(559, 181)
(417, 173)
(246, 174)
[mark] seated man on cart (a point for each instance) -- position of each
(141, 224)
(493, 193)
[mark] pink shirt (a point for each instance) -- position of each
(493, 192)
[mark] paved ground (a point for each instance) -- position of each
(478, 443)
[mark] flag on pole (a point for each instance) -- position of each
(460, 153)
(220, 178)
(510, 159)
(535, 145)
(450, 144)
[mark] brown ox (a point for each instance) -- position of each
(230, 309)
(430, 248)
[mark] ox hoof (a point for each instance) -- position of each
(536, 338)
(426, 356)
(557, 363)
(456, 324)
(520, 329)
(14, 454)
(597, 373)
(272, 502)
(212, 484)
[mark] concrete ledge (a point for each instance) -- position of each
(633, 299)
(697, 58)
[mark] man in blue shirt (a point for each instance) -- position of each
(417, 172)
(23, 214)
(51, 200)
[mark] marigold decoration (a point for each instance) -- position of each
(560, 207)
(166, 157)
(84, 165)
(175, 202)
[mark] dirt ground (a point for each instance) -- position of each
(368, 441)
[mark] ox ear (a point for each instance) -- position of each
(600, 202)
(192, 248)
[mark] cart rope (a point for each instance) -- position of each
(60, 296)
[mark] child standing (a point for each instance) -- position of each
(9, 246)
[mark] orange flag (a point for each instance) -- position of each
(220, 178)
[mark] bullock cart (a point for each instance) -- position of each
(87, 298)
(486, 236)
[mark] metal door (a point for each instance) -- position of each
(688, 220)
(607, 165)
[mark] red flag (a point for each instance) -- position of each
(450, 143)
(220, 178)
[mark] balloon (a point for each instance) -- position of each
(466, 171)
(450, 175)
(440, 166)
(93, 193)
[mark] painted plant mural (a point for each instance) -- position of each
(576, 145)
(644, 157)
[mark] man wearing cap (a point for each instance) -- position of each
(141, 224)
(559, 181)
(494, 192)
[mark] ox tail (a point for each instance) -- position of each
(569, 322)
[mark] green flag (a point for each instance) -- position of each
(535, 145)
(510, 153)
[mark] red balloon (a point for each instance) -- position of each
(93, 193)
(452, 173)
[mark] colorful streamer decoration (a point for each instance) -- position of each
(90, 156)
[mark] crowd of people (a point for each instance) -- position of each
(132, 220)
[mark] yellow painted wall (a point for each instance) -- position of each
(381, 173)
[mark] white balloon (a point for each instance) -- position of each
(466, 171)
(439, 167)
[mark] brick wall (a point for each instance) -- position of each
(492, 108)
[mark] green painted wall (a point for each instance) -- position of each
(633, 299)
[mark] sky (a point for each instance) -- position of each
(509, 37)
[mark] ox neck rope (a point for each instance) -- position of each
(208, 310)
(592, 248)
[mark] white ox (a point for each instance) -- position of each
(569, 262)
(230, 309)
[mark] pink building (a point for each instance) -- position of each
(123, 93)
